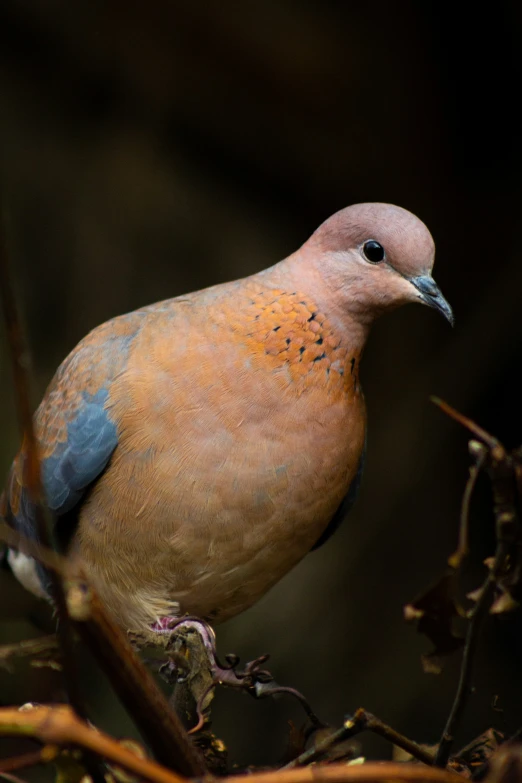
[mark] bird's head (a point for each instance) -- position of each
(375, 257)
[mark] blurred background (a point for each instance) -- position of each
(149, 149)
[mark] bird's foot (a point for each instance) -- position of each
(197, 638)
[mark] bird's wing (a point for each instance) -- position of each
(347, 503)
(73, 425)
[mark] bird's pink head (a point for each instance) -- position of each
(374, 257)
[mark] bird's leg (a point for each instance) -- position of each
(193, 642)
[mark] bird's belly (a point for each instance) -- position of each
(213, 515)
(215, 536)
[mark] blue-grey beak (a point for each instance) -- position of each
(431, 295)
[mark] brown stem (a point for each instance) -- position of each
(27, 647)
(10, 778)
(342, 773)
(42, 756)
(20, 363)
(470, 425)
(456, 559)
(51, 560)
(463, 687)
(320, 748)
(139, 692)
(133, 683)
(60, 726)
(362, 721)
(501, 472)
(413, 748)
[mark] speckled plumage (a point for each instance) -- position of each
(197, 449)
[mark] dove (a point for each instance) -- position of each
(195, 450)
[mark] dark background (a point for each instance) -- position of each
(148, 149)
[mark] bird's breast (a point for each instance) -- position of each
(237, 444)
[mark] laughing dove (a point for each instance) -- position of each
(195, 450)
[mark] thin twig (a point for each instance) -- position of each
(323, 746)
(463, 687)
(26, 648)
(10, 778)
(362, 721)
(500, 468)
(455, 560)
(139, 692)
(133, 683)
(470, 425)
(20, 363)
(31, 759)
(60, 726)
(370, 772)
(50, 559)
(413, 748)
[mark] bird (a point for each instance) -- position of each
(195, 450)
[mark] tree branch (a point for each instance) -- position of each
(42, 645)
(362, 721)
(131, 680)
(20, 363)
(60, 726)
(31, 759)
(343, 773)
(499, 465)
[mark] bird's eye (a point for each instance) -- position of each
(373, 251)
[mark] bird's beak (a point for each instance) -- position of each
(431, 295)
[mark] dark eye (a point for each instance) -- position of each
(373, 251)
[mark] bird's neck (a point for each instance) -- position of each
(292, 276)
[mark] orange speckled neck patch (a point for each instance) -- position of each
(290, 331)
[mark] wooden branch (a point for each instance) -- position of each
(479, 453)
(20, 362)
(343, 773)
(50, 559)
(362, 721)
(139, 693)
(42, 645)
(10, 778)
(469, 424)
(131, 680)
(463, 687)
(60, 726)
(499, 465)
(31, 759)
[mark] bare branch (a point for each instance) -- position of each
(20, 362)
(502, 475)
(470, 425)
(479, 452)
(362, 721)
(343, 773)
(26, 648)
(42, 756)
(60, 726)
(133, 683)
